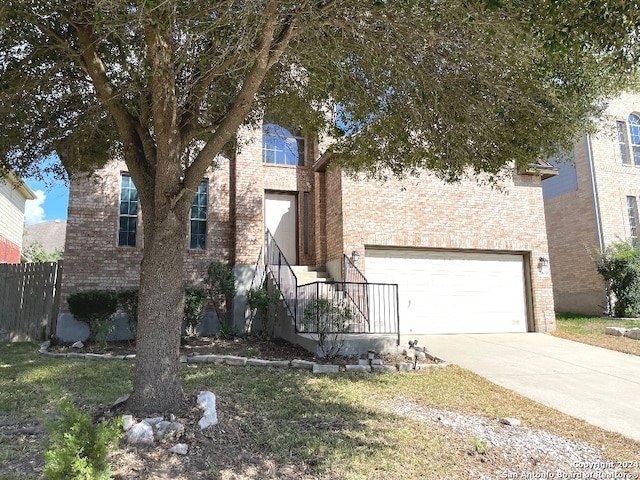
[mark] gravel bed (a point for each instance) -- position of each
(519, 451)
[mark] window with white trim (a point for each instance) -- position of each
(128, 216)
(623, 142)
(198, 218)
(629, 140)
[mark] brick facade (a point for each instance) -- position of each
(582, 221)
(429, 214)
(9, 251)
(343, 215)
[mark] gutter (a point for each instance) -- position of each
(596, 207)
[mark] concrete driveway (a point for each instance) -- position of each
(597, 385)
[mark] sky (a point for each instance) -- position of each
(51, 202)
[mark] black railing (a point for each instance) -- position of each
(283, 275)
(326, 306)
(354, 287)
(352, 306)
(257, 282)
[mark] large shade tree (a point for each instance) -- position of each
(401, 85)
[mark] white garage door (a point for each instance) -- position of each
(453, 292)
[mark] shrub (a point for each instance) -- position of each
(221, 287)
(259, 301)
(619, 266)
(78, 449)
(329, 322)
(128, 301)
(194, 304)
(95, 307)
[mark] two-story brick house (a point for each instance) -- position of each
(592, 203)
(466, 257)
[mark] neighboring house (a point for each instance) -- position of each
(467, 258)
(13, 196)
(591, 204)
(49, 235)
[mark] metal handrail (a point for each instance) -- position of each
(275, 257)
(352, 276)
(382, 305)
(349, 269)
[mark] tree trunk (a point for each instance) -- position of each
(157, 387)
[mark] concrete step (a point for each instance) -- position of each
(308, 274)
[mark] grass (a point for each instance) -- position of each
(590, 330)
(288, 423)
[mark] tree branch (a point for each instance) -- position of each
(265, 58)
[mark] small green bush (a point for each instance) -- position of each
(95, 307)
(128, 301)
(221, 287)
(195, 302)
(619, 266)
(260, 301)
(329, 322)
(78, 449)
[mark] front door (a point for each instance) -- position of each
(280, 218)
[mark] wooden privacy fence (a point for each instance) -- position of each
(29, 299)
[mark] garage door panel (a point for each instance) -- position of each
(453, 292)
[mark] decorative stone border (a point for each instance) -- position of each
(376, 365)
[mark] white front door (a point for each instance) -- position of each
(453, 292)
(280, 218)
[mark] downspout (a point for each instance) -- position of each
(596, 207)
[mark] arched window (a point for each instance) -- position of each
(634, 138)
(629, 140)
(282, 146)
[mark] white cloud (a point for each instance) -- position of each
(33, 211)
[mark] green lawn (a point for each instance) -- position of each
(591, 330)
(324, 427)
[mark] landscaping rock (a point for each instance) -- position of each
(405, 367)
(180, 449)
(359, 368)
(77, 344)
(207, 401)
(326, 368)
(384, 369)
(513, 422)
(153, 421)
(278, 363)
(140, 433)
(615, 331)
(236, 361)
(257, 362)
(168, 430)
(127, 422)
(302, 364)
(633, 333)
(421, 355)
(121, 400)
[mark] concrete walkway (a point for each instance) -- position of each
(597, 385)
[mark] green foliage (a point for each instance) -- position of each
(128, 301)
(95, 307)
(479, 446)
(329, 322)
(195, 302)
(221, 288)
(619, 266)
(260, 302)
(78, 449)
(36, 253)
